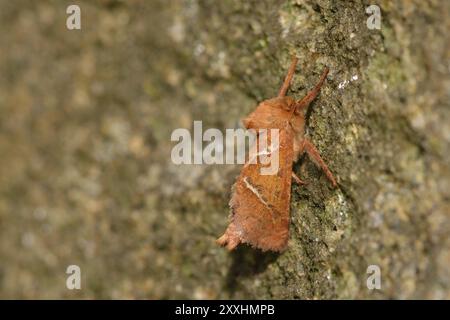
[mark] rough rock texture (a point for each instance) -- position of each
(85, 170)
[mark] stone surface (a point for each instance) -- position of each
(86, 176)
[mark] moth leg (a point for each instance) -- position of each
(311, 95)
(297, 179)
(314, 155)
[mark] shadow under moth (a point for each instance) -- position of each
(260, 204)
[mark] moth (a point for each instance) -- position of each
(260, 204)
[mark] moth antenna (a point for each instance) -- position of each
(289, 75)
(311, 95)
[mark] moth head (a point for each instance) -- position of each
(285, 103)
(271, 113)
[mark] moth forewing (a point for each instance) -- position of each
(260, 203)
(268, 151)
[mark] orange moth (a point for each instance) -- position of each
(260, 204)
